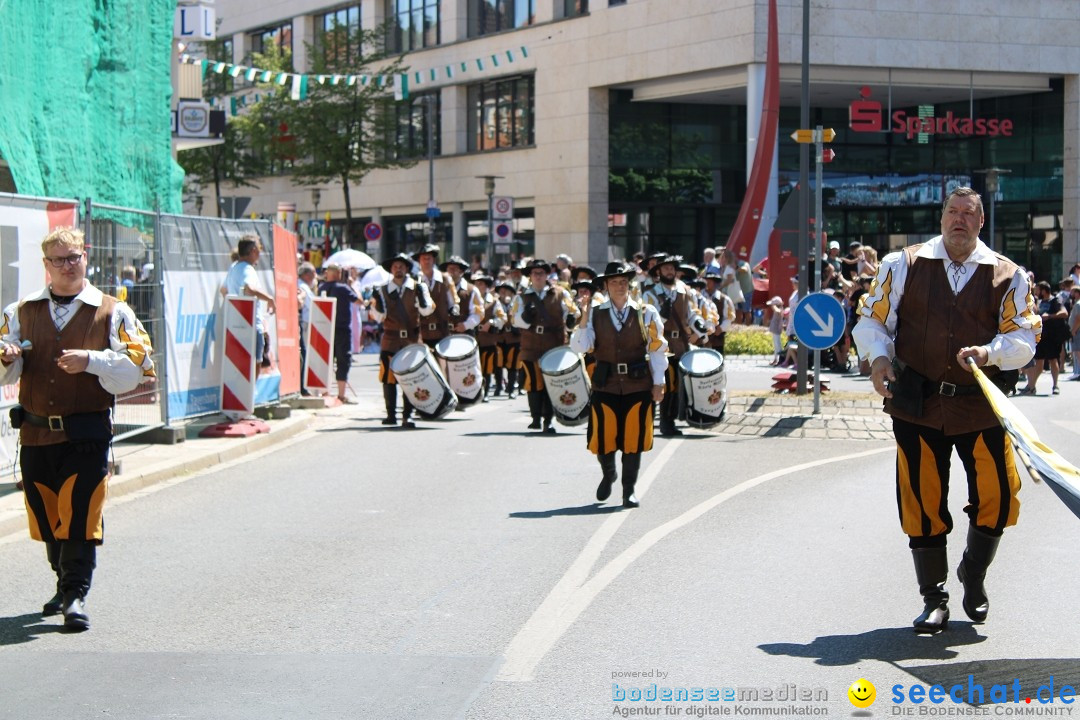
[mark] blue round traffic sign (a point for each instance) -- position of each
(503, 230)
(819, 321)
(372, 231)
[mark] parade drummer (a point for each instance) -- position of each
(696, 287)
(724, 309)
(682, 325)
(85, 349)
(627, 338)
(509, 358)
(488, 332)
(543, 312)
(587, 294)
(440, 287)
(933, 306)
(470, 310)
(400, 305)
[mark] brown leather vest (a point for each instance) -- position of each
(401, 315)
(45, 389)
(436, 326)
(676, 331)
(620, 347)
(488, 338)
(510, 335)
(548, 329)
(933, 324)
(464, 300)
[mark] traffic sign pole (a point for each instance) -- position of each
(819, 253)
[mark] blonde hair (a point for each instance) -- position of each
(869, 254)
(68, 237)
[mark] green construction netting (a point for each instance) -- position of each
(86, 89)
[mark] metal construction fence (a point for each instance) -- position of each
(128, 255)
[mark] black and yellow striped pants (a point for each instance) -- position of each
(621, 422)
(64, 488)
(489, 359)
(508, 356)
(534, 379)
(922, 480)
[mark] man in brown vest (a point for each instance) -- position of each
(543, 312)
(438, 324)
(627, 338)
(400, 306)
(932, 307)
(488, 332)
(469, 308)
(84, 348)
(509, 342)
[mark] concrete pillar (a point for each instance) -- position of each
(596, 250)
(454, 119)
(459, 244)
(1070, 245)
(453, 21)
(755, 98)
(238, 48)
(303, 31)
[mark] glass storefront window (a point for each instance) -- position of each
(491, 16)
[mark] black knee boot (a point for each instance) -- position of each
(980, 552)
(534, 409)
(389, 393)
(406, 413)
(78, 558)
(631, 464)
(55, 604)
(511, 384)
(498, 381)
(668, 410)
(487, 388)
(607, 465)
(547, 411)
(931, 571)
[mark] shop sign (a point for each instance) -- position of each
(865, 115)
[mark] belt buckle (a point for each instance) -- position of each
(674, 334)
(947, 389)
(58, 425)
(403, 333)
(433, 326)
(621, 369)
(539, 329)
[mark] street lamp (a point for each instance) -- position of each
(992, 175)
(489, 190)
(432, 211)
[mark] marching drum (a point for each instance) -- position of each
(703, 387)
(567, 385)
(423, 383)
(460, 356)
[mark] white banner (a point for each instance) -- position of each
(22, 272)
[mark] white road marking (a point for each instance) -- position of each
(573, 593)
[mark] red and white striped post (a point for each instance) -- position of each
(238, 367)
(318, 372)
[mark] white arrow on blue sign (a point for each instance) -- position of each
(819, 321)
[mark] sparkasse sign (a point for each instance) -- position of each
(865, 116)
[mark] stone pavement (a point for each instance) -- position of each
(847, 412)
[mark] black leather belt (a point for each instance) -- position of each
(403, 333)
(56, 422)
(947, 389)
(433, 326)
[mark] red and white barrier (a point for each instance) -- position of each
(238, 368)
(319, 340)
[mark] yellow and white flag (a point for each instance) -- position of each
(1040, 460)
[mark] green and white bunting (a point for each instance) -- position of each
(299, 82)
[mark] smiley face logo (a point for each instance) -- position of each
(862, 693)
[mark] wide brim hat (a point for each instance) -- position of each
(536, 263)
(689, 270)
(454, 260)
(429, 249)
(400, 257)
(712, 275)
(616, 269)
(481, 276)
(675, 260)
(695, 283)
(588, 270)
(506, 286)
(583, 285)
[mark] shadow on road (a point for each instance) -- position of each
(1021, 679)
(24, 628)
(520, 433)
(593, 509)
(378, 429)
(891, 645)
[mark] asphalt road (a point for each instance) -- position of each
(464, 570)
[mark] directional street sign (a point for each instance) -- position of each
(811, 136)
(819, 321)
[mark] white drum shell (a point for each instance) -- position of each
(418, 374)
(567, 385)
(460, 358)
(703, 387)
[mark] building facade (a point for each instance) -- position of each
(631, 124)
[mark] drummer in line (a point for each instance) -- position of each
(627, 337)
(399, 305)
(543, 312)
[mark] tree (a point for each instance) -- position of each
(340, 132)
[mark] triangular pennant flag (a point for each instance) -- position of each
(464, 67)
(282, 78)
(364, 80)
(235, 70)
(382, 81)
(232, 106)
(352, 81)
(524, 52)
(335, 79)
(401, 87)
(321, 79)
(419, 79)
(510, 55)
(219, 67)
(479, 64)
(213, 102)
(299, 87)
(434, 75)
(449, 71)
(495, 60)
(202, 68)
(250, 74)
(265, 76)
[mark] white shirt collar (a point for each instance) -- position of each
(89, 295)
(934, 249)
(542, 292)
(407, 285)
(630, 303)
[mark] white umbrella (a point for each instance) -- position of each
(374, 277)
(349, 258)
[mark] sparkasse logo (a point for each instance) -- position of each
(865, 115)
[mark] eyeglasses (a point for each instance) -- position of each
(59, 262)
